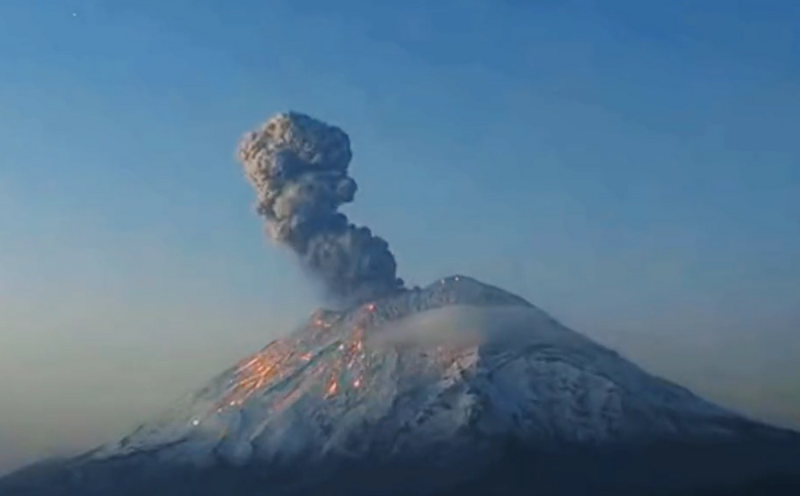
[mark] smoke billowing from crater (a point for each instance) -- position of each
(298, 167)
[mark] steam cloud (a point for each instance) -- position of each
(464, 325)
(298, 167)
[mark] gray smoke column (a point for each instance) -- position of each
(298, 167)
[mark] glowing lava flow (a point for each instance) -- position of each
(260, 371)
(351, 360)
(343, 371)
(253, 375)
(281, 358)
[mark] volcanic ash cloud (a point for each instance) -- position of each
(299, 169)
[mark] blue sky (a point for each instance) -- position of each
(631, 167)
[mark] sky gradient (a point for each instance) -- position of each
(631, 167)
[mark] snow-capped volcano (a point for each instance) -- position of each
(428, 391)
(367, 380)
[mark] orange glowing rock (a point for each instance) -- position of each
(256, 373)
(249, 363)
(333, 388)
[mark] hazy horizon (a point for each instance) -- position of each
(629, 168)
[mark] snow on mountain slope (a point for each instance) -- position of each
(425, 369)
(456, 389)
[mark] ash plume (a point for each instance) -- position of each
(298, 167)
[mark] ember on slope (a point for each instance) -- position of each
(284, 357)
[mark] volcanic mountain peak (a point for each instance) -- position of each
(457, 388)
(421, 370)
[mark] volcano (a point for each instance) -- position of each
(459, 388)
